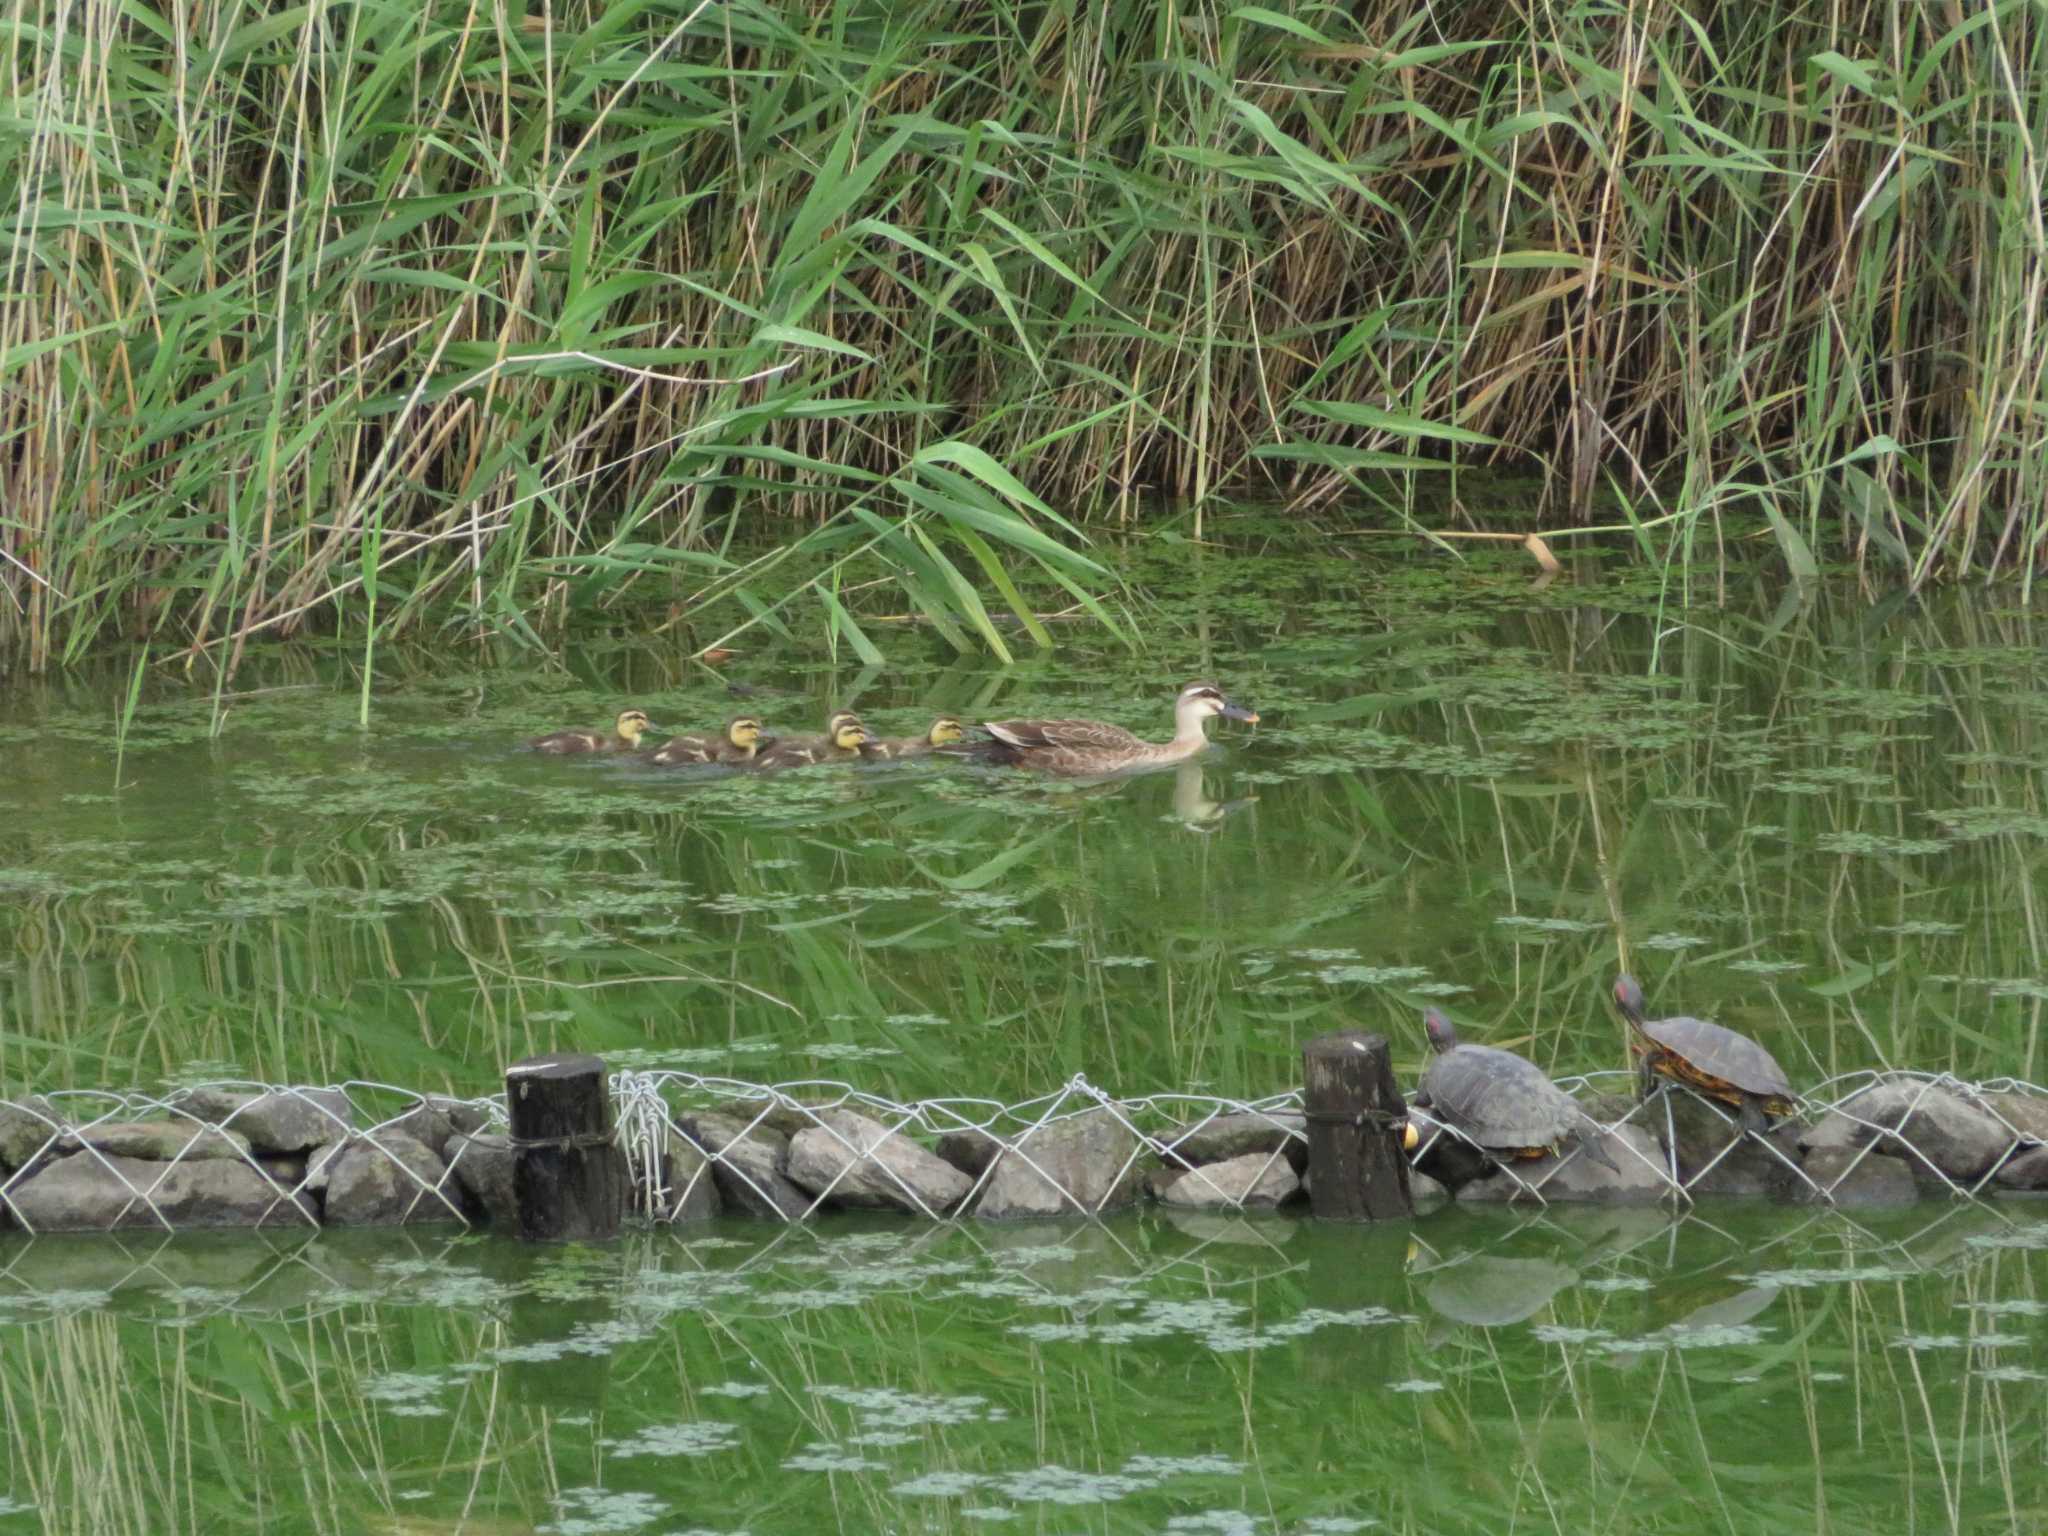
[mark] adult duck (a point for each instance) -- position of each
(1095, 746)
(624, 736)
(742, 741)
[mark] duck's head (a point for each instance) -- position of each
(632, 725)
(1628, 997)
(1443, 1034)
(744, 732)
(848, 733)
(945, 732)
(1202, 700)
(836, 719)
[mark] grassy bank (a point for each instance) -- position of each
(391, 314)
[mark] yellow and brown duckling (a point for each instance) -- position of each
(942, 732)
(624, 736)
(742, 742)
(842, 741)
(1095, 746)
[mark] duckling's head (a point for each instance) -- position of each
(848, 733)
(1205, 699)
(632, 725)
(744, 732)
(945, 731)
(836, 719)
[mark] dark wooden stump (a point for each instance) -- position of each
(1355, 1114)
(568, 1176)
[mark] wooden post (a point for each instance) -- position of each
(1355, 1113)
(568, 1174)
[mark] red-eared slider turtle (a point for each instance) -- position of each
(1500, 1102)
(1716, 1061)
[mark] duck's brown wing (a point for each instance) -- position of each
(1058, 735)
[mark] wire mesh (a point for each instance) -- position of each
(685, 1135)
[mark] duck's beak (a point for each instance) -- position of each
(1410, 1137)
(1239, 712)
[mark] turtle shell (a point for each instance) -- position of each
(1717, 1058)
(1498, 1099)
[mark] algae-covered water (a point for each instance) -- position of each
(1820, 820)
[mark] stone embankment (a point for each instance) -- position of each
(300, 1157)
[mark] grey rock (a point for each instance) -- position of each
(482, 1164)
(688, 1177)
(1632, 1180)
(2027, 1171)
(748, 1166)
(1424, 1189)
(1089, 1163)
(972, 1152)
(279, 1121)
(434, 1119)
(85, 1194)
(2026, 1113)
(772, 1114)
(367, 1186)
(1607, 1108)
(1833, 1132)
(1735, 1162)
(1235, 1135)
(1944, 1126)
(26, 1127)
(158, 1141)
(1844, 1181)
(865, 1164)
(1255, 1181)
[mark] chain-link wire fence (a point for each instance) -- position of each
(363, 1153)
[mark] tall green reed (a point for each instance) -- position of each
(557, 299)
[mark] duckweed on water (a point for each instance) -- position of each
(1464, 789)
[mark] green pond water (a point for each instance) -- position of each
(1819, 820)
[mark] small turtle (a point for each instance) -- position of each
(1501, 1102)
(1717, 1062)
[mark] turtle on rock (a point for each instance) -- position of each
(1502, 1103)
(1708, 1058)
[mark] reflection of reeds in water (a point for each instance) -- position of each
(1817, 1371)
(1826, 1376)
(1828, 837)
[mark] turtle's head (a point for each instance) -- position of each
(848, 733)
(1628, 997)
(744, 732)
(1443, 1035)
(945, 731)
(632, 725)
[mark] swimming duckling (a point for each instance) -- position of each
(1095, 746)
(624, 736)
(943, 732)
(841, 744)
(740, 744)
